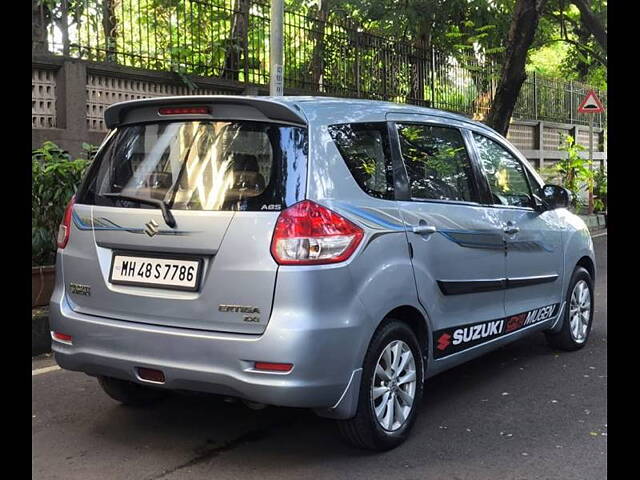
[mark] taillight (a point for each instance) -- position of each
(309, 234)
(65, 226)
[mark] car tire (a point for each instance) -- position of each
(576, 326)
(130, 393)
(393, 339)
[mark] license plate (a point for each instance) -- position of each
(156, 272)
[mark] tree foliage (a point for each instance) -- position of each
(579, 39)
(374, 48)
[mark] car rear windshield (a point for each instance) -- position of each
(200, 165)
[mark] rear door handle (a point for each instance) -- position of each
(510, 229)
(423, 229)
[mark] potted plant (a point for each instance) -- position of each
(55, 177)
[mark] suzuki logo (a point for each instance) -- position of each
(444, 341)
(152, 228)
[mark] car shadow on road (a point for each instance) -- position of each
(205, 426)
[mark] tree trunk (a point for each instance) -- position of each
(592, 23)
(238, 41)
(40, 20)
(317, 36)
(109, 25)
(581, 63)
(420, 61)
(521, 32)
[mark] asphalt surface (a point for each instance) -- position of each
(521, 412)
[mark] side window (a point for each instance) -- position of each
(365, 149)
(505, 174)
(437, 162)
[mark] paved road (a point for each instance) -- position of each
(522, 412)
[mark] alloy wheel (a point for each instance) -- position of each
(394, 385)
(580, 311)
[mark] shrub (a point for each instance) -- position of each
(600, 190)
(55, 177)
(576, 172)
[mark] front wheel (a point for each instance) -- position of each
(390, 390)
(578, 318)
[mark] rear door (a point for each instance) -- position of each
(533, 238)
(224, 181)
(458, 250)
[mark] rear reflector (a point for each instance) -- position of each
(151, 374)
(183, 110)
(273, 367)
(62, 337)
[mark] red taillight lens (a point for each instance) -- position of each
(183, 110)
(273, 367)
(309, 234)
(65, 226)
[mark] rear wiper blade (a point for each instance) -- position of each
(166, 213)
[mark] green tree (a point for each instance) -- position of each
(348, 47)
(521, 34)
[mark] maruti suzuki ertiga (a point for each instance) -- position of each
(309, 252)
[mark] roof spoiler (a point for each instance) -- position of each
(224, 107)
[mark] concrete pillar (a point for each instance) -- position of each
(71, 105)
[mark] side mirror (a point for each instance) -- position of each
(554, 196)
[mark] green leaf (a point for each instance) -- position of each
(55, 177)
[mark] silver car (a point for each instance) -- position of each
(309, 252)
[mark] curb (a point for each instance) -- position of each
(40, 333)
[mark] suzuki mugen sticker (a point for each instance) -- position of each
(454, 340)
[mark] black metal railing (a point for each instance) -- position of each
(229, 39)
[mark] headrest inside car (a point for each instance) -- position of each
(247, 180)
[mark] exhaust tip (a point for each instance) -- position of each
(151, 374)
(254, 405)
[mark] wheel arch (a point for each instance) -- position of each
(416, 321)
(411, 316)
(588, 264)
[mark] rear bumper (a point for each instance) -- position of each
(324, 358)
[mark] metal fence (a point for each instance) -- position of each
(229, 39)
(555, 100)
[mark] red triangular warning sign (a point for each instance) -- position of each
(591, 104)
